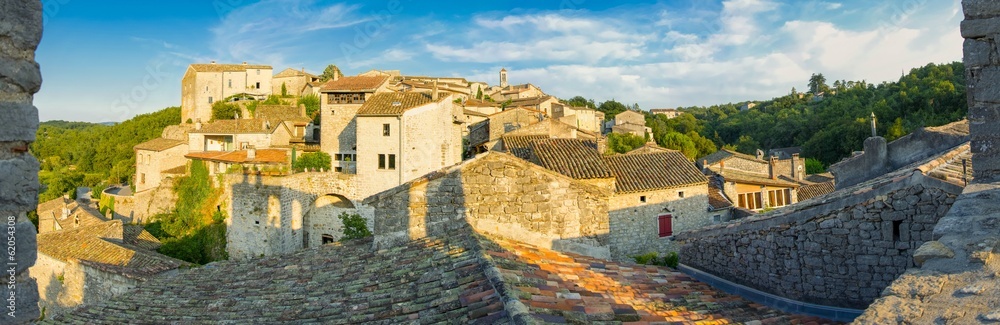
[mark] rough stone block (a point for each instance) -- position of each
(977, 28)
(978, 9)
(19, 184)
(20, 121)
(979, 52)
(931, 250)
(25, 300)
(25, 245)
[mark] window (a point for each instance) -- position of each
(230, 83)
(392, 161)
(381, 161)
(244, 145)
(717, 218)
(258, 84)
(680, 194)
(751, 201)
(346, 98)
(666, 223)
(385, 130)
(210, 100)
(338, 169)
(300, 131)
(336, 157)
(142, 178)
(642, 199)
(327, 239)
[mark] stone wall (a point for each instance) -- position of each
(270, 215)
(880, 157)
(981, 30)
(501, 195)
(838, 253)
(64, 286)
(634, 227)
(20, 79)
(146, 204)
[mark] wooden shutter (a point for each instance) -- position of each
(666, 225)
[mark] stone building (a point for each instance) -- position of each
(95, 262)
(156, 158)
(65, 213)
(582, 117)
(629, 121)
(755, 184)
(668, 112)
(295, 120)
(204, 84)
(401, 136)
(485, 135)
(543, 103)
(294, 81)
(340, 100)
(238, 134)
(270, 161)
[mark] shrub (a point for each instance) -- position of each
(645, 259)
(313, 160)
(354, 227)
(671, 260)
(651, 258)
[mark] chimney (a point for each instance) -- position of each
(197, 124)
(302, 109)
(434, 93)
(65, 212)
(602, 145)
(722, 166)
(704, 165)
(251, 153)
(213, 61)
(244, 62)
(770, 167)
(796, 172)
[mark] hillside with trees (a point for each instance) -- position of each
(76, 154)
(829, 121)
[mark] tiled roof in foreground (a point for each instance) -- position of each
(458, 278)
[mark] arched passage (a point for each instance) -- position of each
(322, 224)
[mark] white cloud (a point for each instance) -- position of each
(272, 30)
(545, 37)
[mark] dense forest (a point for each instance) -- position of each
(88, 154)
(827, 121)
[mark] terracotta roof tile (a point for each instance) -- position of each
(280, 113)
(354, 84)
(395, 103)
(813, 190)
(104, 247)
(570, 288)
(263, 156)
(158, 144)
(520, 145)
(716, 198)
(651, 171)
(239, 126)
(214, 67)
(571, 157)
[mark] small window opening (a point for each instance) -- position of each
(327, 239)
(896, 225)
(642, 199)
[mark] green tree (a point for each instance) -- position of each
(895, 130)
(312, 103)
(747, 145)
(624, 142)
(611, 108)
(817, 84)
(678, 141)
(284, 90)
(580, 101)
(479, 93)
(354, 227)
(224, 111)
(313, 160)
(331, 72)
(814, 166)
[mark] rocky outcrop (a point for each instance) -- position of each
(20, 79)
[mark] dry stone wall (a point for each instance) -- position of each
(981, 30)
(271, 215)
(837, 254)
(634, 226)
(20, 79)
(500, 195)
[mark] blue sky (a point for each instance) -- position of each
(109, 60)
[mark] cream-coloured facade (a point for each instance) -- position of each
(402, 136)
(295, 81)
(584, 118)
(241, 134)
(340, 100)
(204, 84)
(154, 157)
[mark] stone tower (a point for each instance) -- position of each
(503, 78)
(20, 79)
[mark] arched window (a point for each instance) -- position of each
(327, 239)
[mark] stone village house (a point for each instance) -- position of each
(204, 84)
(755, 184)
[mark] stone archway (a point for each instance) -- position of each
(321, 222)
